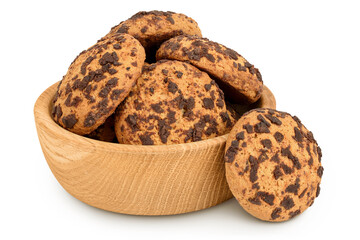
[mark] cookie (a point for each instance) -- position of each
(154, 27)
(239, 79)
(104, 132)
(273, 165)
(173, 102)
(96, 82)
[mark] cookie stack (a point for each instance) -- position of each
(153, 80)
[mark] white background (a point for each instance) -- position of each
(307, 51)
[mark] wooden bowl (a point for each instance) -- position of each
(135, 179)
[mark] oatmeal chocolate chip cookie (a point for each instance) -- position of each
(239, 79)
(105, 132)
(96, 82)
(154, 27)
(173, 102)
(273, 164)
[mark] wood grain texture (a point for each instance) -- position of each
(133, 179)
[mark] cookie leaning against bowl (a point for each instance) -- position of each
(173, 102)
(239, 79)
(96, 82)
(154, 27)
(273, 164)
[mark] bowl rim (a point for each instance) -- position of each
(42, 114)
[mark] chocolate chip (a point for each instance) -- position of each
(262, 119)
(266, 143)
(266, 197)
(116, 93)
(248, 128)
(178, 74)
(231, 53)
(310, 137)
(287, 203)
(231, 152)
(275, 158)
(220, 103)
(173, 46)
(319, 153)
(208, 103)
(318, 190)
(170, 19)
(198, 130)
(172, 87)
(111, 58)
(298, 135)
(293, 188)
(144, 29)
(276, 213)
(278, 137)
(294, 214)
(146, 139)
(261, 127)
(123, 29)
(89, 120)
(254, 166)
(240, 136)
(112, 82)
(273, 119)
(302, 193)
(286, 152)
(171, 116)
(163, 131)
(320, 171)
(85, 64)
(164, 71)
(207, 87)
(104, 92)
(67, 89)
(69, 121)
(112, 71)
(58, 112)
(277, 172)
(157, 108)
(117, 46)
(132, 122)
(75, 102)
(255, 201)
(297, 120)
(286, 168)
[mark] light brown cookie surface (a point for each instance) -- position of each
(236, 77)
(154, 27)
(273, 164)
(173, 102)
(96, 82)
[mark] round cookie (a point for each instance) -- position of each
(154, 27)
(96, 82)
(236, 77)
(173, 102)
(273, 165)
